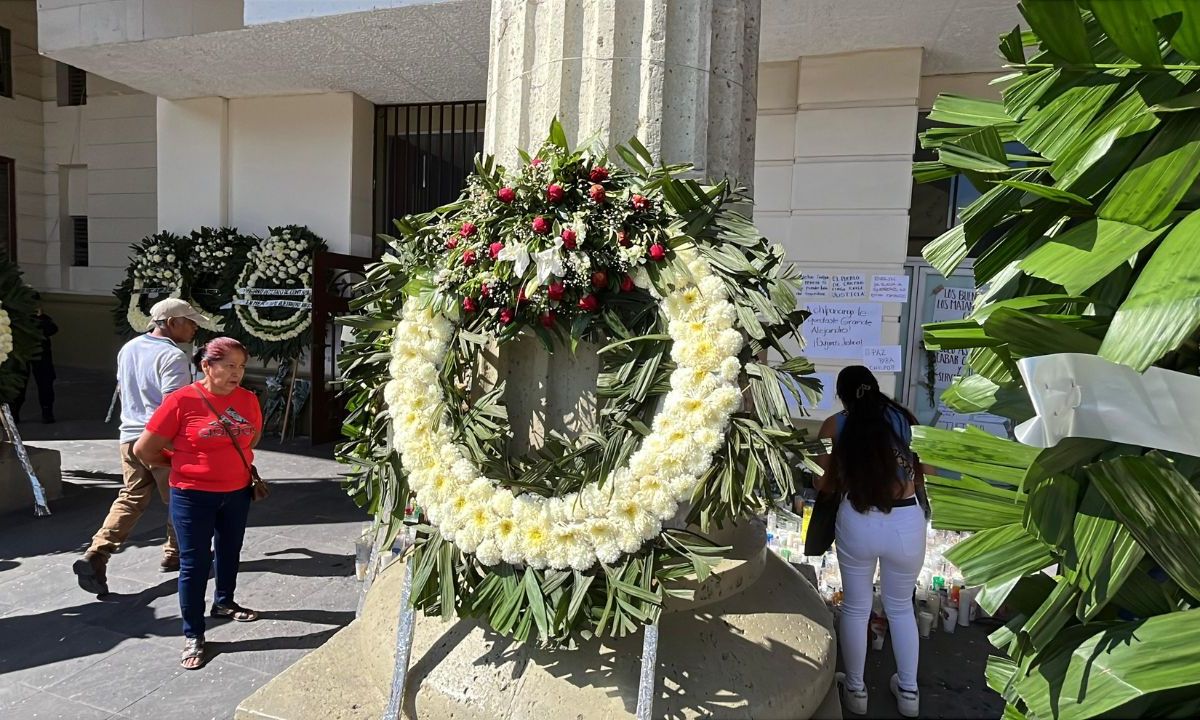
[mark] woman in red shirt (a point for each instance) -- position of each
(193, 432)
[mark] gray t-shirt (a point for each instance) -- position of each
(148, 368)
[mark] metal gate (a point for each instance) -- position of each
(423, 154)
(334, 279)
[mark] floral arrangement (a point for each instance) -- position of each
(155, 271)
(272, 305)
(585, 536)
(20, 334)
(214, 254)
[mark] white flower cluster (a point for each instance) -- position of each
(6, 336)
(157, 266)
(211, 254)
(283, 259)
(601, 522)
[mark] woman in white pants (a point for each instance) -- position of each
(879, 522)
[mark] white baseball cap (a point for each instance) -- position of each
(175, 308)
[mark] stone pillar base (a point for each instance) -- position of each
(764, 650)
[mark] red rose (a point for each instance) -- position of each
(469, 304)
(599, 279)
(467, 229)
(589, 303)
(640, 202)
(506, 195)
(596, 193)
(555, 193)
(623, 239)
(451, 243)
(468, 257)
(495, 249)
(568, 238)
(485, 291)
(555, 291)
(598, 174)
(535, 162)
(658, 253)
(549, 319)
(541, 225)
(521, 296)
(506, 315)
(627, 284)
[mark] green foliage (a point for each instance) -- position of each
(756, 464)
(18, 300)
(1091, 246)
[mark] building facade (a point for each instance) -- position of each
(339, 114)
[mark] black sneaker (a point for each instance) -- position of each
(90, 570)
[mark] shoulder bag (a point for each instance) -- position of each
(259, 490)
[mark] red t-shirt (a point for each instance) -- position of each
(204, 457)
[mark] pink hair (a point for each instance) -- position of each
(216, 349)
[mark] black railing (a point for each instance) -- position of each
(423, 154)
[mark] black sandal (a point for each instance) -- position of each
(235, 612)
(193, 649)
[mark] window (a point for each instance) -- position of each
(6, 75)
(79, 240)
(8, 209)
(72, 85)
(423, 154)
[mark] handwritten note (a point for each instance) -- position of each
(815, 286)
(889, 288)
(882, 358)
(842, 330)
(849, 286)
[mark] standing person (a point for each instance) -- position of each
(879, 522)
(148, 368)
(212, 426)
(42, 369)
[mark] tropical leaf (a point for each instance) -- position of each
(1131, 28)
(1087, 253)
(1148, 193)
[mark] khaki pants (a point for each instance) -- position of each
(141, 481)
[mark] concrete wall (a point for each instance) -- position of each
(266, 161)
(81, 23)
(833, 161)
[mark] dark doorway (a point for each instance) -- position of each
(423, 154)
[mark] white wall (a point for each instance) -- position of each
(833, 161)
(21, 126)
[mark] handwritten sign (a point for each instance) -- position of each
(849, 286)
(842, 330)
(882, 358)
(815, 286)
(889, 288)
(828, 384)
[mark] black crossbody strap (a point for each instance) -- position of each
(224, 425)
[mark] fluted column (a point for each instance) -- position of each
(681, 75)
(678, 74)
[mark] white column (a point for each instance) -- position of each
(679, 74)
(193, 164)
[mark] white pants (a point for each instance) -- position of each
(896, 541)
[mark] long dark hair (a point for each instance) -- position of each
(869, 452)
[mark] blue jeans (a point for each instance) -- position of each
(204, 521)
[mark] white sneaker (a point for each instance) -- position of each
(907, 702)
(853, 701)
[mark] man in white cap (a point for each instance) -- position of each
(148, 368)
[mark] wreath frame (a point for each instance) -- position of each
(755, 461)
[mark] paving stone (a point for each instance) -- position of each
(46, 706)
(123, 677)
(202, 694)
(11, 693)
(42, 649)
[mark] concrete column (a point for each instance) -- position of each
(681, 75)
(193, 163)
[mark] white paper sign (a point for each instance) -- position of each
(815, 286)
(882, 358)
(889, 288)
(828, 383)
(841, 330)
(849, 286)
